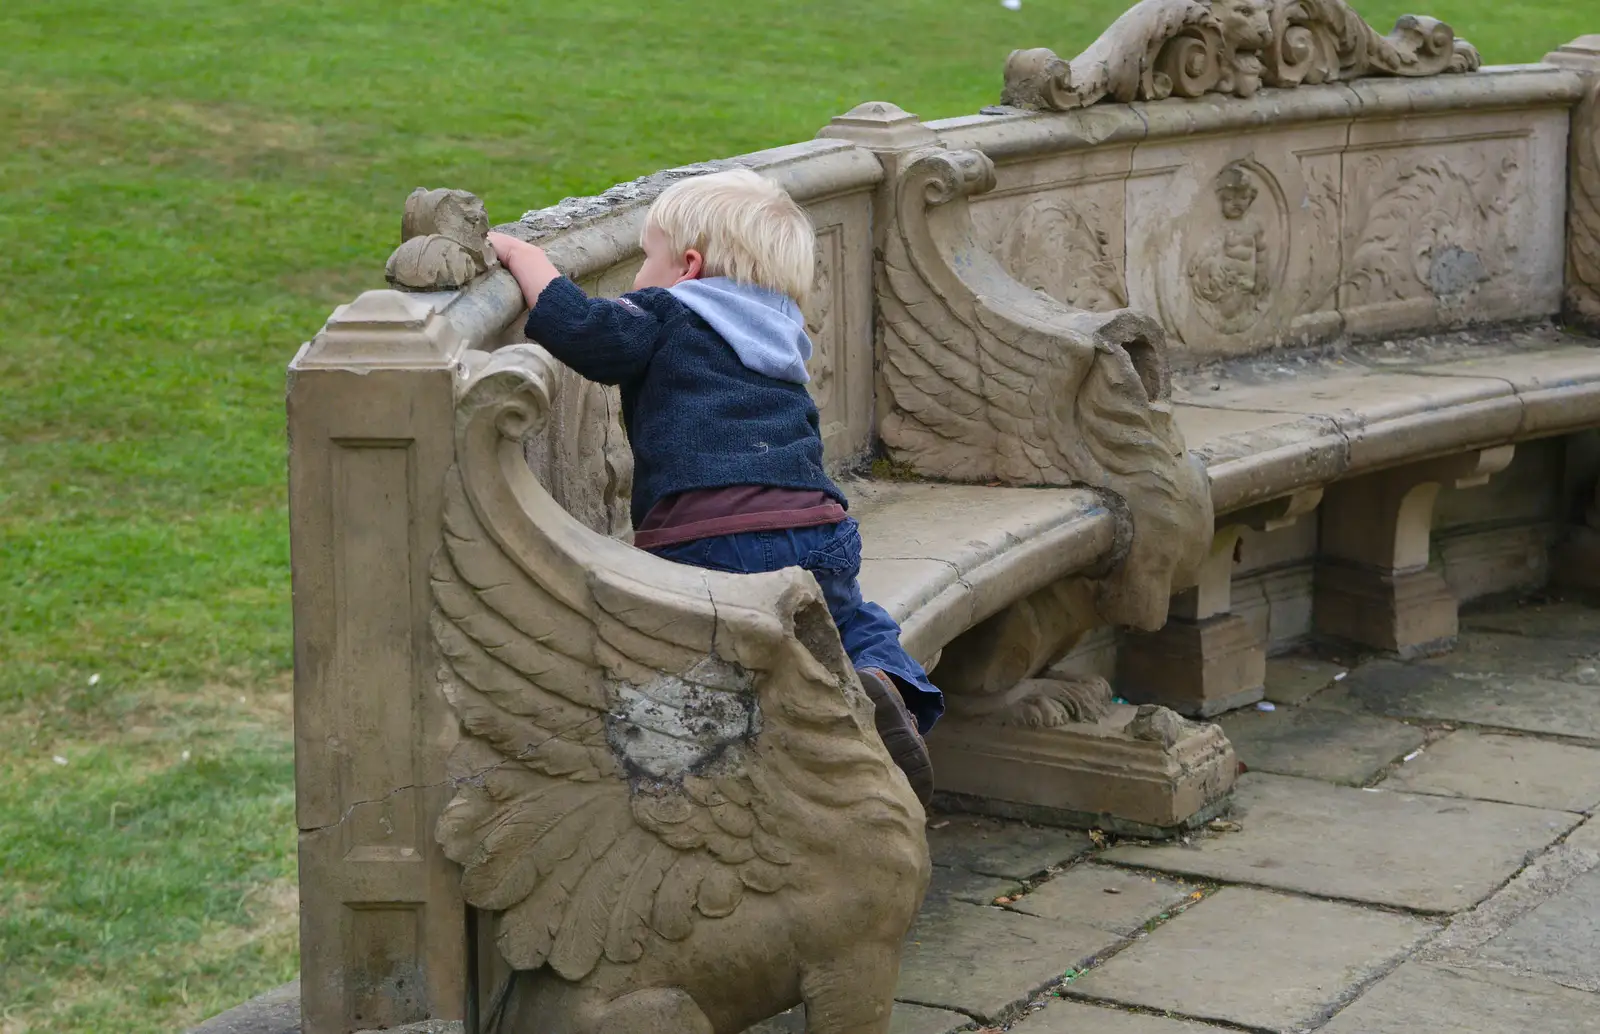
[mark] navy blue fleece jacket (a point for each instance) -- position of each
(696, 416)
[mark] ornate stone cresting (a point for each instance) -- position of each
(1185, 48)
(665, 775)
(444, 242)
(990, 381)
(1582, 55)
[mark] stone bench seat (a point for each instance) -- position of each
(1265, 427)
(941, 558)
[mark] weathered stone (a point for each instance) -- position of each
(959, 885)
(1079, 1017)
(276, 1012)
(1480, 655)
(1552, 896)
(987, 962)
(1317, 744)
(1111, 899)
(905, 1019)
(1436, 998)
(632, 781)
(1424, 853)
(945, 300)
(1513, 769)
(1256, 959)
(1197, 668)
(1560, 620)
(1145, 776)
(993, 847)
(1292, 681)
(1429, 691)
(1150, 53)
(1557, 940)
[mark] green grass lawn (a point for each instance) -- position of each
(188, 188)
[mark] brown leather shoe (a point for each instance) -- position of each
(898, 730)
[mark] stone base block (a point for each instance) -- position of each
(1144, 778)
(1410, 613)
(1197, 668)
(1575, 563)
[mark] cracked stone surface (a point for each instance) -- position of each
(1291, 680)
(1442, 1000)
(1317, 744)
(1083, 1018)
(906, 1019)
(993, 847)
(1557, 939)
(1431, 690)
(1431, 854)
(1303, 958)
(1112, 899)
(1513, 769)
(987, 962)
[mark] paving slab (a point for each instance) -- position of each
(1352, 749)
(1442, 1000)
(1292, 680)
(1560, 620)
(1559, 940)
(1489, 654)
(996, 847)
(1427, 690)
(1513, 769)
(960, 885)
(1257, 959)
(1115, 900)
(1430, 854)
(906, 1019)
(987, 962)
(1083, 1018)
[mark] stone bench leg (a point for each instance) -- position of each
(1373, 583)
(1577, 560)
(1207, 659)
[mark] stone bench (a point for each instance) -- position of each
(1098, 337)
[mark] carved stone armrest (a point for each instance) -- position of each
(648, 748)
(987, 380)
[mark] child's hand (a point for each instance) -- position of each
(528, 263)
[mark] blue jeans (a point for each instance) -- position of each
(832, 553)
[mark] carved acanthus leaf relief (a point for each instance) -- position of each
(1435, 227)
(648, 747)
(1185, 48)
(990, 381)
(444, 242)
(818, 323)
(1051, 246)
(1583, 224)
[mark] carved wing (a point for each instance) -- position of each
(1583, 254)
(643, 743)
(991, 381)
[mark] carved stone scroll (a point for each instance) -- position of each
(1582, 55)
(990, 381)
(444, 242)
(1185, 48)
(663, 771)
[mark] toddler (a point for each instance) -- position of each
(709, 350)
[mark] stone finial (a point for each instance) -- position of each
(880, 126)
(1186, 48)
(444, 236)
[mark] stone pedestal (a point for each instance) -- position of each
(1576, 561)
(1373, 584)
(1208, 660)
(1149, 775)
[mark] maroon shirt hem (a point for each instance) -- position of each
(730, 511)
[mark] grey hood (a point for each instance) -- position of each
(765, 328)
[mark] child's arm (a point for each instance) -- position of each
(604, 340)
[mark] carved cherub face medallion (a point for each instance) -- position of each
(1235, 192)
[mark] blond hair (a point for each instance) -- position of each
(745, 227)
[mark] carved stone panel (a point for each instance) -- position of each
(839, 320)
(1451, 220)
(1234, 242)
(1056, 225)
